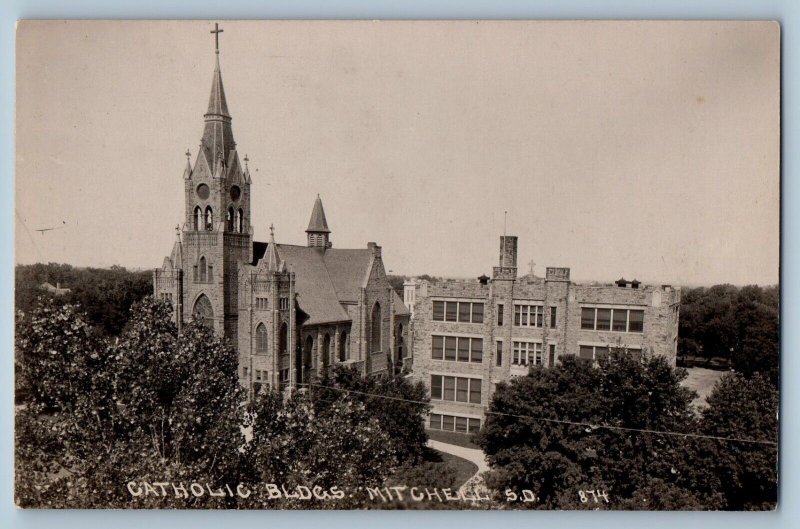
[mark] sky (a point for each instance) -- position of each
(644, 150)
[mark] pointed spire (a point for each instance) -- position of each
(273, 259)
(187, 173)
(177, 249)
(217, 142)
(318, 223)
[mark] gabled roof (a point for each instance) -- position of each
(348, 270)
(325, 279)
(318, 223)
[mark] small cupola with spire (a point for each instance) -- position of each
(318, 232)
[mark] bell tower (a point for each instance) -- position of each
(216, 234)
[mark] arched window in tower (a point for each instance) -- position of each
(203, 312)
(209, 219)
(198, 218)
(375, 335)
(240, 221)
(202, 270)
(344, 347)
(229, 220)
(261, 338)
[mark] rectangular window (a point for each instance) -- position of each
(499, 353)
(477, 313)
(473, 425)
(600, 353)
(262, 303)
(436, 387)
(457, 348)
(586, 353)
(284, 375)
(448, 423)
(437, 347)
(636, 321)
(450, 348)
(244, 372)
(587, 318)
(476, 354)
(461, 424)
(438, 310)
(451, 311)
(529, 315)
(526, 353)
(449, 388)
(462, 389)
(500, 315)
(463, 349)
(620, 321)
(284, 304)
(551, 361)
(475, 390)
(456, 389)
(463, 312)
(553, 311)
(603, 319)
(453, 423)
(258, 375)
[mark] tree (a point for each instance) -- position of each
(398, 405)
(740, 324)
(743, 473)
(296, 443)
(154, 405)
(547, 432)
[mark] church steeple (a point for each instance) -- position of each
(318, 232)
(217, 142)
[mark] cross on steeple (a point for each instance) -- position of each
(271, 230)
(531, 263)
(216, 31)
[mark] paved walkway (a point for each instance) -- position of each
(470, 454)
(475, 485)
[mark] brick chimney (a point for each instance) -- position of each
(508, 258)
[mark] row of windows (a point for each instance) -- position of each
(457, 389)
(620, 320)
(458, 311)
(234, 220)
(531, 316)
(527, 353)
(166, 296)
(452, 423)
(457, 348)
(595, 353)
(262, 303)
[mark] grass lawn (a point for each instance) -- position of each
(453, 438)
(702, 381)
(437, 470)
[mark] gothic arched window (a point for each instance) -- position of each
(326, 350)
(261, 338)
(203, 312)
(198, 218)
(344, 347)
(240, 220)
(209, 219)
(229, 220)
(375, 335)
(203, 270)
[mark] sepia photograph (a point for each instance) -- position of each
(430, 265)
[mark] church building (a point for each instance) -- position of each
(291, 311)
